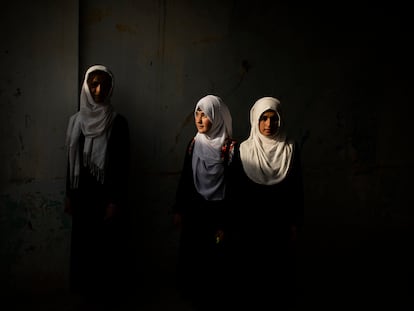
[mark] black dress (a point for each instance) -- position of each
(264, 257)
(98, 246)
(202, 259)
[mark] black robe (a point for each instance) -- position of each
(202, 259)
(264, 256)
(98, 246)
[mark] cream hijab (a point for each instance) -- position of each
(94, 121)
(207, 163)
(266, 160)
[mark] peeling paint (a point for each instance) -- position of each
(125, 28)
(21, 140)
(27, 120)
(96, 15)
(208, 39)
(34, 232)
(17, 93)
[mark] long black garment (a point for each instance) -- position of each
(264, 258)
(202, 260)
(98, 246)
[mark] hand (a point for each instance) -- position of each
(219, 236)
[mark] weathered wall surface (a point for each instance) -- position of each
(38, 87)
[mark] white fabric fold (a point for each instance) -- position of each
(94, 121)
(266, 160)
(207, 162)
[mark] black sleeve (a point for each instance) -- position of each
(68, 188)
(185, 183)
(118, 162)
(297, 184)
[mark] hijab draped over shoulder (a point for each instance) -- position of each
(94, 121)
(207, 162)
(266, 160)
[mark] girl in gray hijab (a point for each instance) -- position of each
(97, 143)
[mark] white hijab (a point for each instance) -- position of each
(207, 162)
(266, 160)
(94, 121)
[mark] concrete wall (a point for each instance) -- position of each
(38, 90)
(341, 73)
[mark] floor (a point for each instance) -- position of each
(64, 301)
(367, 272)
(328, 287)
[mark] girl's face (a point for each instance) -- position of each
(269, 123)
(99, 85)
(202, 122)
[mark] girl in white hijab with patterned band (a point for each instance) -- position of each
(207, 159)
(201, 208)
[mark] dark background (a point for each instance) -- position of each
(342, 70)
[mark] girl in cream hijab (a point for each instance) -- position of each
(266, 155)
(268, 184)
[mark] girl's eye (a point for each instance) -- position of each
(272, 119)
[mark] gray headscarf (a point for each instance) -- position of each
(94, 121)
(207, 163)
